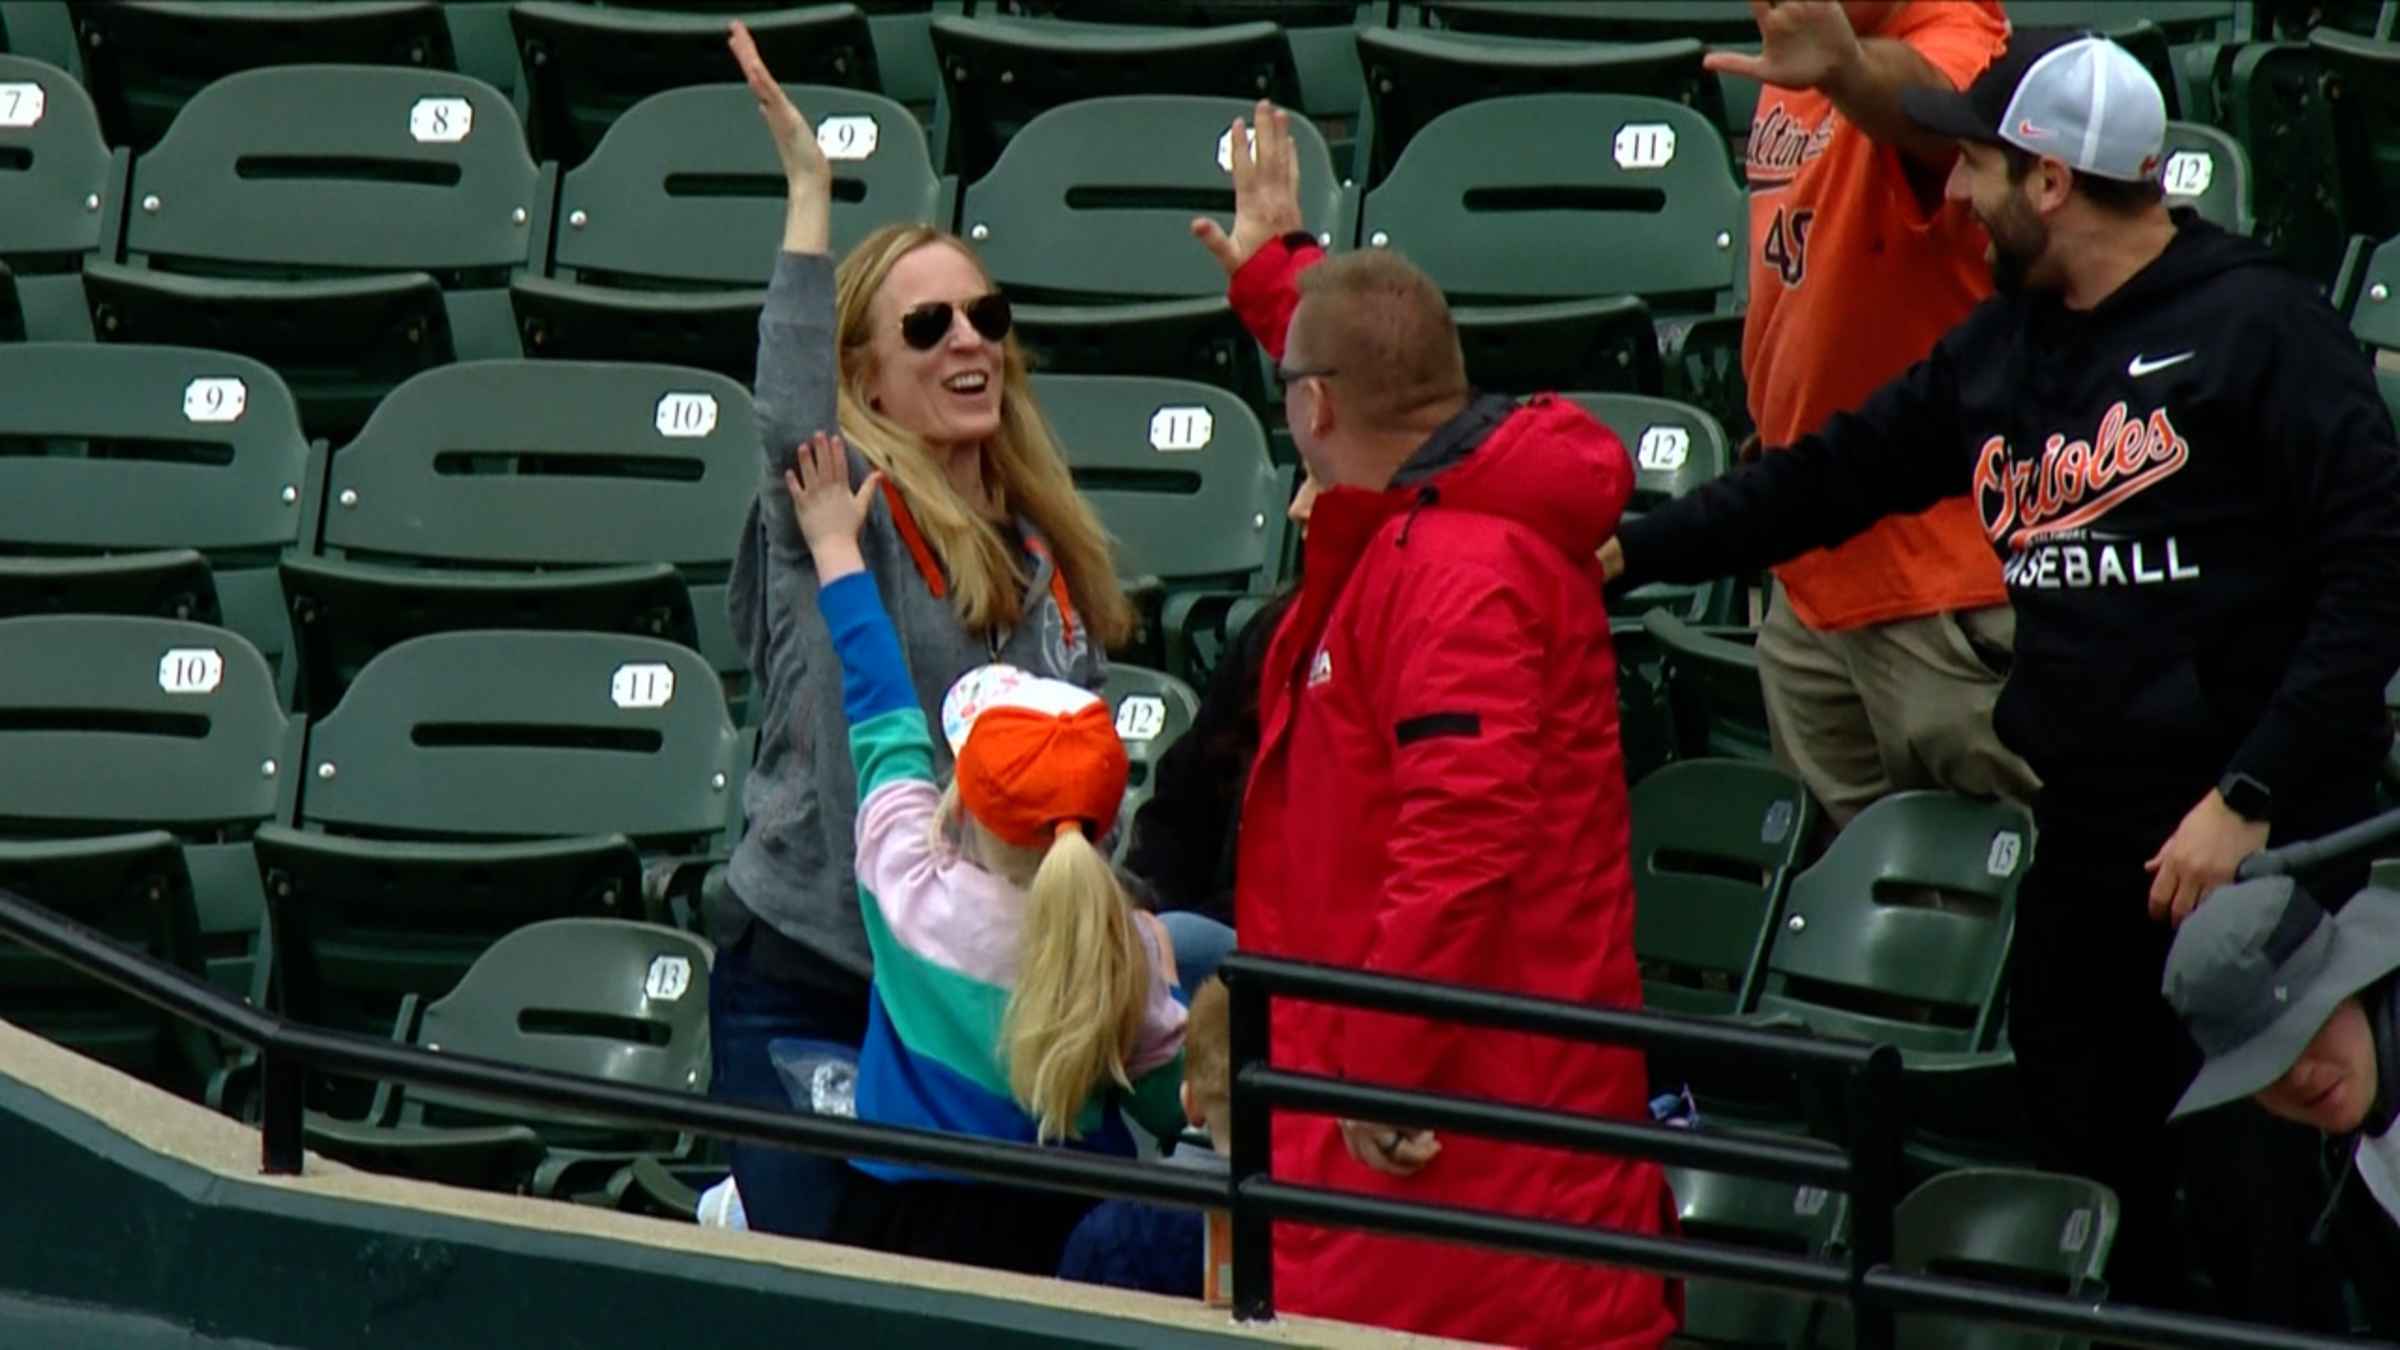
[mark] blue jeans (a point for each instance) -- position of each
(754, 1020)
(1200, 946)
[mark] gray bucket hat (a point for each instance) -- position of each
(2258, 969)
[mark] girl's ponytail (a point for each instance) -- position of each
(1083, 979)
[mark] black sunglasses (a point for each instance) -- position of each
(924, 327)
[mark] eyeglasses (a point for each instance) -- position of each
(1287, 375)
(924, 327)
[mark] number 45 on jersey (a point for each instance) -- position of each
(1786, 244)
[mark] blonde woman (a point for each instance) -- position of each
(981, 551)
(1018, 993)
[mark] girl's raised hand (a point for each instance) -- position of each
(830, 512)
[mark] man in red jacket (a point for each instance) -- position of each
(1438, 791)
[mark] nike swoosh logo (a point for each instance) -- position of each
(2140, 366)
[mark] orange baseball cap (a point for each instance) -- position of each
(1034, 755)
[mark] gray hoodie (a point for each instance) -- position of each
(794, 866)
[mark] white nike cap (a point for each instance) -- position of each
(2064, 95)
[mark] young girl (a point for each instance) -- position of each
(1017, 992)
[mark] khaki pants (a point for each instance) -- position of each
(1889, 707)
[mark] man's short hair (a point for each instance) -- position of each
(1208, 1046)
(2117, 196)
(1384, 326)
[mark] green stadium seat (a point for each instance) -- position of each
(2181, 21)
(2362, 85)
(65, 190)
(599, 998)
(1086, 221)
(150, 480)
(530, 495)
(2034, 1230)
(2376, 319)
(484, 44)
(2294, 20)
(135, 889)
(1900, 933)
(1000, 74)
(12, 317)
(1659, 216)
(1718, 23)
(667, 235)
(1740, 1211)
(41, 29)
(1324, 53)
(1179, 473)
(1153, 709)
(347, 249)
(1605, 343)
(476, 782)
(145, 59)
(1645, 714)
(1712, 683)
(2273, 98)
(113, 724)
(1414, 77)
(1715, 843)
(2208, 171)
(585, 65)
(1675, 448)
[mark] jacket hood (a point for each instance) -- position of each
(2198, 252)
(1546, 464)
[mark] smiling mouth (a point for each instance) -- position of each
(970, 382)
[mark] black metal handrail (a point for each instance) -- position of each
(1867, 1169)
(288, 1050)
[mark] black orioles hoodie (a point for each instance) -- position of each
(2194, 490)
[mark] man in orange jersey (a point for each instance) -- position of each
(1881, 657)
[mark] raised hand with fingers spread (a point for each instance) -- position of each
(1266, 189)
(1803, 45)
(829, 510)
(808, 176)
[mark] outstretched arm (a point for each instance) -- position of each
(1809, 44)
(1269, 246)
(797, 373)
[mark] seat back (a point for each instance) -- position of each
(2361, 72)
(2208, 171)
(1153, 710)
(2036, 1230)
(1773, 1216)
(1712, 682)
(2276, 102)
(1675, 447)
(999, 74)
(601, 998)
(390, 170)
(685, 190)
(1178, 472)
(543, 464)
(523, 735)
(1716, 22)
(586, 65)
(115, 449)
(1714, 846)
(55, 168)
(132, 888)
(1900, 933)
(1640, 199)
(1094, 199)
(110, 723)
(1414, 77)
(2376, 320)
(145, 59)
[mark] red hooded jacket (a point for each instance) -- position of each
(1439, 793)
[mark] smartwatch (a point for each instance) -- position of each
(2247, 797)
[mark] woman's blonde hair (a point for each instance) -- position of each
(1022, 464)
(1083, 970)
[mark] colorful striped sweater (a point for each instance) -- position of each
(945, 932)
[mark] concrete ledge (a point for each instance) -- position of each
(136, 1202)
